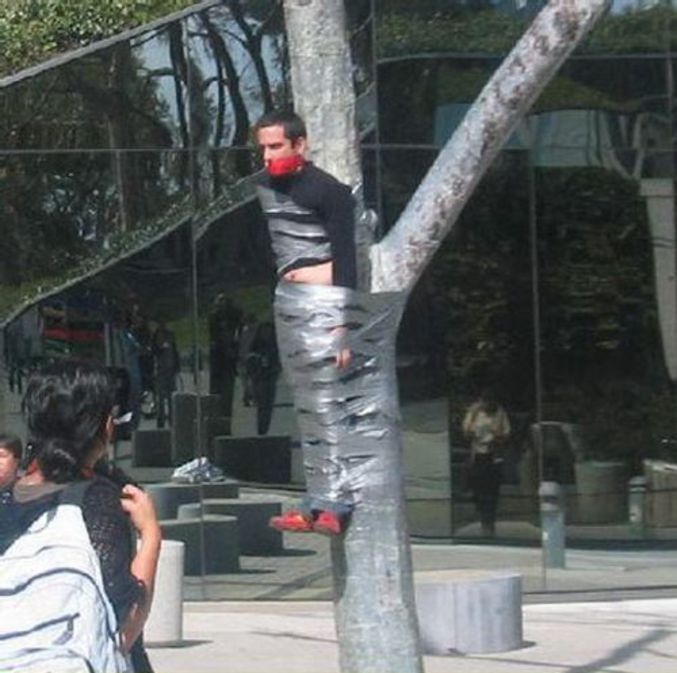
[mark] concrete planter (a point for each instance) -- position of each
(601, 492)
(661, 495)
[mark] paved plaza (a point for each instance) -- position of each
(261, 637)
(613, 608)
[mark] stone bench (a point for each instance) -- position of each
(469, 611)
(169, 495)
(253, 512)
(265, 459)
(661, 494)
(221, 544)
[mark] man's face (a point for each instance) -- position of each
(9, 466)
(275, 145)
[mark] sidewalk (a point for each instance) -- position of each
(296, 634)
(615, 636)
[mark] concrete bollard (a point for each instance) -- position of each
(164, 625)
(553, 531)
(636, 501)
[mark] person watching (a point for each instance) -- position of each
(69, 408)
(11, 451)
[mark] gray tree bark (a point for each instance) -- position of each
(374, 607)
(322, 82)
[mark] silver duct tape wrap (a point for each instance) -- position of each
(348, 418)
(292, 240)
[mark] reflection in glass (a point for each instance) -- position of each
(236, 70)
(71, 212)
(121, 171)
(236, 279)
(468, 328)
(126, 96)
(606, 349)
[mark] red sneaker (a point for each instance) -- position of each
(293, 521)
(328, 523)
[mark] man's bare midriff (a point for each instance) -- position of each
(317, 274)
(320, 274)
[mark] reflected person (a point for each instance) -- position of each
(263, 367)
(167, 368)
(487, 427)
(225, 321)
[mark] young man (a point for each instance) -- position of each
(10, 459)
(311, 221)
(315, 198)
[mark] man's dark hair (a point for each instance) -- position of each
(12, 443)
(294, 127)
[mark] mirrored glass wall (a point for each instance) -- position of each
(132, 235)
(549, 308)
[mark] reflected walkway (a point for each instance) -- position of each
(622, 568)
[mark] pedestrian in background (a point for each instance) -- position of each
(487, 427)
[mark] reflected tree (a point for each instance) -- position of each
(228, 79)
(179, 73)
(252, 40)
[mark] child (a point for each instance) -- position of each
(10, 459)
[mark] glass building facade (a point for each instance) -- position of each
(132, 235)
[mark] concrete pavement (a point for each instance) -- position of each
(620, 632)
(296, 632)
(628, 636)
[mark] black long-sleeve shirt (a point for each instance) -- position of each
(330, 204)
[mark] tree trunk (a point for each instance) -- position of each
(119, 128)
(374, 607)
(322, 82)
(241, 115)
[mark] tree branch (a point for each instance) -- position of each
(399, 260)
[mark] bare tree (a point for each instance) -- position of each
(229, 75)
(374, 608)
(253, 42)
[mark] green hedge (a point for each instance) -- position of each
(33, 30)
(492, 32)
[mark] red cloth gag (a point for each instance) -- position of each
(285, 165)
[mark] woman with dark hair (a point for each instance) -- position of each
(69, 406)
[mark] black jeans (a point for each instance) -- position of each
(485, 481)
